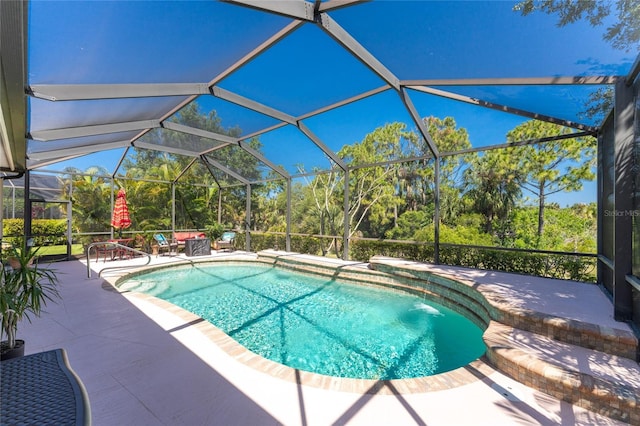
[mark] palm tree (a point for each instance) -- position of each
(90, 195)
(493, 186)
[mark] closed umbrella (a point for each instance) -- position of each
(120, 218)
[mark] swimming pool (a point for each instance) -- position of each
(318, 324)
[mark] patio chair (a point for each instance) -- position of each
(226, 242)
(105, 250)
(120, 251)
(164, 244)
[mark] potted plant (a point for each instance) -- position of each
(24, 290)
(214, 232)
(144, 242)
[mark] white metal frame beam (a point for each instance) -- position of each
(408, 103)
(186, 169)
(224, 141)
(317, 112)
(218, 137)
(77, 150)
(316, 140)
(165, 148)
(346, 40)
(99, 129)
(503, 108)
(37, 164)
(304, 129)
(69, 92)
(259, 50)
(75, 92)
(330, 5)
(221, 93)
(225, 169)
(296, 9)
(13, 106)
(344, 102)
(521, 81)
(279, 170)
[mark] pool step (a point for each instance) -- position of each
(604, 383)
(508, 299)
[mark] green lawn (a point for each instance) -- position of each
(54, 250)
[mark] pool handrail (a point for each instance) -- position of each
(120, 246)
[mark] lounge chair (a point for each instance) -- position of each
(166, 245)
(227, 241)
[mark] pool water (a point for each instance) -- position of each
(318, 324)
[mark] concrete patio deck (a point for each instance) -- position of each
(145, 365)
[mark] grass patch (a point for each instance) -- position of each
(76, 249)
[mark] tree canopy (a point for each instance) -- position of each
(481, 195)
(551, 167)
(624, 34)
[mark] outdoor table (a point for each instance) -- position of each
(119, 251)
(197, 246)
(42, 389)
(105, 250)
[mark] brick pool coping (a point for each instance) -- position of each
(489, 310)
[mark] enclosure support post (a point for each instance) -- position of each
(436, 213)
(173, 208)
(1, 209)
(247, 220)
(623, 200)
(219, 204)
(69, 233)
(27, 207)
(113, 184)
(345, 242)
(288, 230)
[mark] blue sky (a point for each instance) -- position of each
(142, 42)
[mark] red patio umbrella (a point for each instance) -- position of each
(120, 218)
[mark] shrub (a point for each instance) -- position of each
(45, 231)
(551, 265)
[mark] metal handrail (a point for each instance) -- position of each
(180, 259)
(115, 245)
